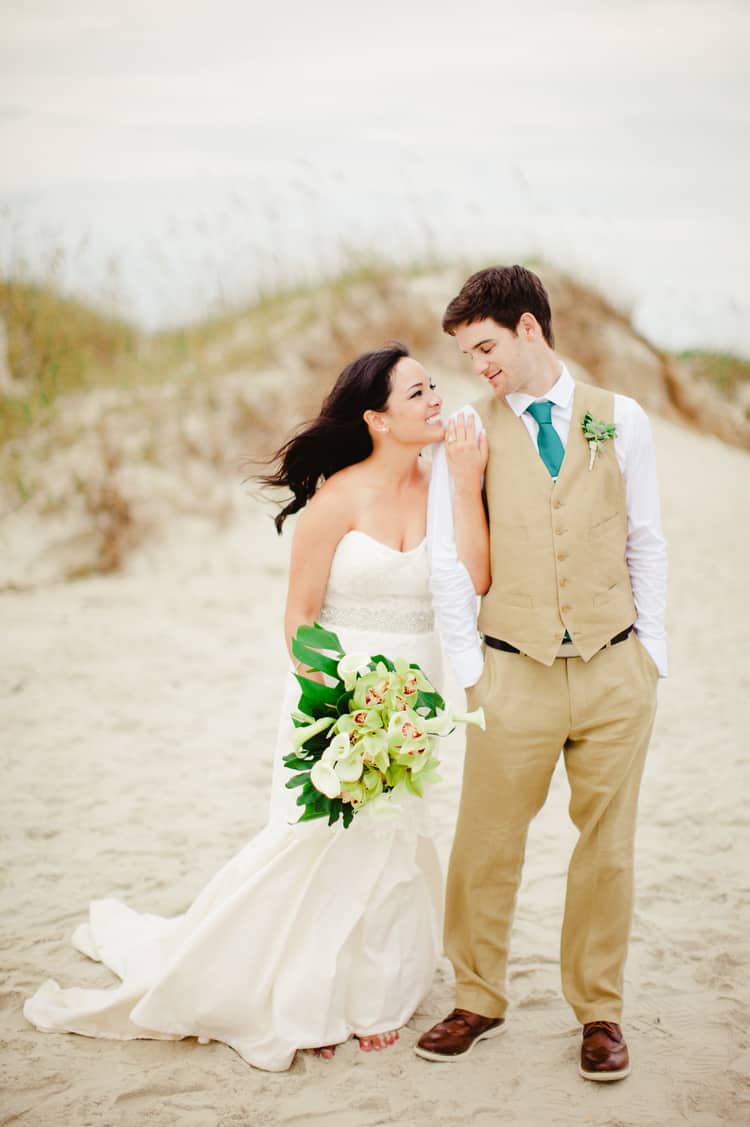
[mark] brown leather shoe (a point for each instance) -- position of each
(604, 1052)
(456, 1035)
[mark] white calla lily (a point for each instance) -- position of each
(350, 667)
(303, 734)
(476, 717)
(349, 769)
(338, 748)
(440, 725)
(324, 779)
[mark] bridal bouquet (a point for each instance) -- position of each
(369, 731)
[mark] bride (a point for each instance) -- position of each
(312, 933)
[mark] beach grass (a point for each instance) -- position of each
(108, 432)
(726, 372)
(55, 344)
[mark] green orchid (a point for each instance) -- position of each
(429, 774)
(354, 794)
(373, 783)
(360, 720)
(396, 774)
(420, 756)
(412, 674)
(405, 725)
(417, 780)
(374, 749)
(371, 689)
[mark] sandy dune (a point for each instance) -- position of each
(138, 714)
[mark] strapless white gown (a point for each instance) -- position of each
(310, 933)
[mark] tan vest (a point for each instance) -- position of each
(557, 549)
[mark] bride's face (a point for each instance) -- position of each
(412, 414)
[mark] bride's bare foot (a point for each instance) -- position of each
(327, 1052)
(378, 1042)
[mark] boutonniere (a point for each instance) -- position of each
(596, 434)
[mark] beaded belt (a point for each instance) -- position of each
(390, 619)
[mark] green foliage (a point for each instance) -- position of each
(54, 344)
(725, 371)
(58, 344)
(596, 430)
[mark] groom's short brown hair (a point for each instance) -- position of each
(503, 293)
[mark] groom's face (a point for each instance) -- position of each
(500, 356)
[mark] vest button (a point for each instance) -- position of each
(557, 503)
(560, 531)
(566, 606)
(563, 581)
(562, 555)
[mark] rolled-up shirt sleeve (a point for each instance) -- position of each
(454, 599)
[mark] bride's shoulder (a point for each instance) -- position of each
(333, 501)
(343, 487)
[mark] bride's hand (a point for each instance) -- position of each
(310, 674)
(466, 454)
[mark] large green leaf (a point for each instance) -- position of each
(317, 694)
(309, 815)
(433, 701)
(318, 638)
(297, 763)
(314, 659)
(335, 811)
(342, 703)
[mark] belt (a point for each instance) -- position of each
(499, 644)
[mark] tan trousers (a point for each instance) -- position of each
(600, 713)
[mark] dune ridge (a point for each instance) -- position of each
(150, 434)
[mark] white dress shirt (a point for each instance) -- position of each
(455, 602)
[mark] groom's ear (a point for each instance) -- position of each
(529, 327)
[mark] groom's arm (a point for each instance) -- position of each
(645, 548)
(465, 449)
(453, 595)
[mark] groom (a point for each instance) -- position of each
(573, 647)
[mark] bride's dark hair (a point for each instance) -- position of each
(339, 436)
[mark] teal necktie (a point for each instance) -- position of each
(551, 449)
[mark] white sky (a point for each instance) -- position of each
(207, 147)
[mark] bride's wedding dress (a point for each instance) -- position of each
(310, 933)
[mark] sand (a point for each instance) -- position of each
(138, 713)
